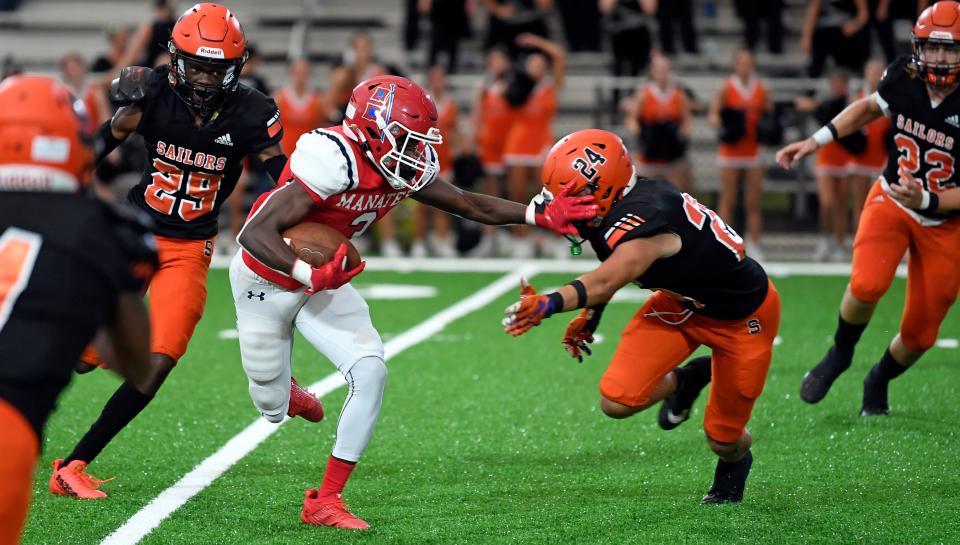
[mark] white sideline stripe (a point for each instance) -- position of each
(191, 484)
(582, 265)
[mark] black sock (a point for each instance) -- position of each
(125, 404)
(694, 375)
(888, 368)
(846, 337)
(730, 477)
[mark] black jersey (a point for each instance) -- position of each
(923, 136)
(191, 170)
(710, 273)
(70, 256)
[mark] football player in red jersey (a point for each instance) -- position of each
(649, 233)
(918, 93)
(348, 177)
(198, 123)
(48, 226)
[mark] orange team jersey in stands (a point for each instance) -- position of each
(832, 160)
(93, 107)
(874, 158)
(530, 136)
(496, 117)
(448, 125)
(300, 115)
(661, 107)
(752, 99)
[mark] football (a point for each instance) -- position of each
(316, 243)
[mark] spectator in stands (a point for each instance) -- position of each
(533, 92)
(830, 169)
(302, 108)
(118, 38)
(835, 28)
(492, 117)
(581, 24)
(449, 23)
(511, 18)
(659, 117)
(866, 167)
(677, 12)
(73, 70)
(440, 241)
(628, 22)
(250, 74)
(149, 43)
(357, 64)
(752, 12)
(736, 111)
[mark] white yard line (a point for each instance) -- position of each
(171, 499)
(573, 266)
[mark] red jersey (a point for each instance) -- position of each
(349, 193)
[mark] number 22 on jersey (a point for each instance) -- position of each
(195, 191)
(698, 214)
(18, 253)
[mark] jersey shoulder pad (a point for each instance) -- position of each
(325, 162)
(894, 75)
(131, 86)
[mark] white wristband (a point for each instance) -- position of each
(924, 200)
(823, 136)
(302, 272)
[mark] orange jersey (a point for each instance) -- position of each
(832, 159)
(300, 115)
(449, 113)
(662, 106)
(531, 135)
(93, 107)
(874, 158)
(752, 99)
(496, 118)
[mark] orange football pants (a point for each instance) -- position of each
(178, 294)
(886, 231)
(19, 452)
(651, 347)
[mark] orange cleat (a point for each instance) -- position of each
(73, 480)
(329, 512)
(303, 403)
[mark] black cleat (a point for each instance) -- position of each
(675, 409)
(817, 382)
(875, 396)
(729, 481)
(81, 367)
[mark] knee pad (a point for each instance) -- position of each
(867, 289)
(268, 381)
(369, 373)
(270, 399)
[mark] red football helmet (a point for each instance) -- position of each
(207, 51)
(396, 123)
(45, 143)
(938, 25)
(591, 159)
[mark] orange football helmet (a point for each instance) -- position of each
(207, 51)
(591, 159)
(938, 24)
(45, 143)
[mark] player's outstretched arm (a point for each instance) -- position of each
(629, 260)
(854, 117)
(557, 215)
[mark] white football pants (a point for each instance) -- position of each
(336, 322)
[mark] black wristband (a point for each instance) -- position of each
(581, 293)
(934, 203)
(104, 141)
(275, 165)
(833, 130)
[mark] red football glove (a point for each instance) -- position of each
(576, 341)
(333, 274)
(561, 212)
(528, 312)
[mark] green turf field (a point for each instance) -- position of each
(488, 439)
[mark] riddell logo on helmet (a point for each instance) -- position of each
(212, 52)
(941, 35)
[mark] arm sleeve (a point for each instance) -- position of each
(324, 163)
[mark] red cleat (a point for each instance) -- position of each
(329, 512)
(303, 403)
(73, 480)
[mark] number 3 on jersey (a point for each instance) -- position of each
(195, 191)
(698, 214)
